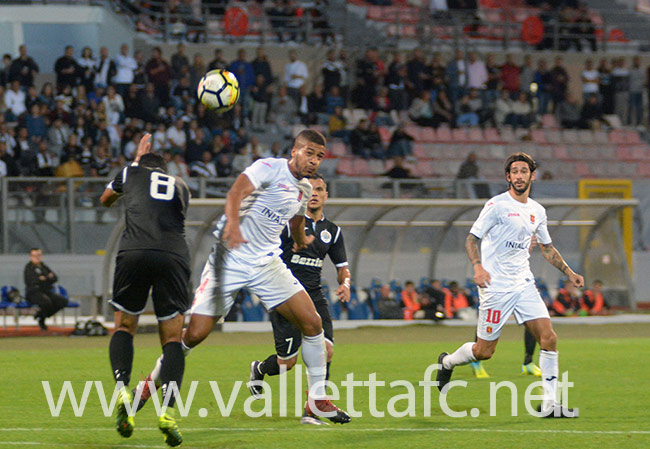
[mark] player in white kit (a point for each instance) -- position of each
(506, 285)
(264, 198)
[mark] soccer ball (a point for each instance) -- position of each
(218, 90)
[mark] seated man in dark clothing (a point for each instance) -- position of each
(39, 280)
(566, 301)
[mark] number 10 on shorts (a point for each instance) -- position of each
(493, 316)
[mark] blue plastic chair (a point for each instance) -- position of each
(356, 309)
(5, 303)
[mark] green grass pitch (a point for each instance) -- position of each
(609, 365)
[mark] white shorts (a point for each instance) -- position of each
(224, 276)
(495, 309)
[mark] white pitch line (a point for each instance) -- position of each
(348, 429)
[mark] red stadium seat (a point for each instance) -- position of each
(443, 134)
(428, 134)
(583, 170)
(492, 135)
(570, 136)
(459, 135)
(338, 149)
(538, 136)
(617, 136)
(632, 137)
(476, 135)
(345, 167)
(548, 121)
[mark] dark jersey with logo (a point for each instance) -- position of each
(156, 204)
(307, 264)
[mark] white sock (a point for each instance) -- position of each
(548, 363)
(462, 356)
(313, 354)
(155, 373)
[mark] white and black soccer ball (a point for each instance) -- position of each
(218, 90)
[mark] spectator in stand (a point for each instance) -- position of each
(224, 168)
(456, 77)
(139, 74)
(8, 165)
(295, 75)
(331, 71)
(396, 83)
(465, 116)
(260, 95)
(204, 168)
(87, 68)
(245, 74)
(261, 66)
(197, 70)
(527, 74)
(522, 115)
(566, 301)
(368, 76)
(14, 99)
(283, 110)
(176, 137)
(401, 142)
(114, 106)
(23, 69)
(183, 95)
(410, 300)
(57, 135)
(381, 108)
(398, 170)
(478, 106)
(591, 115)
(455, 300)
(4, 72)
(373, 141)
(443, 111)
(334, 99)
(584, 27)
(105, 71)
(590, 80)
(469, 168)
(635, 110)
(180, 63)
(477, 75)
(606, 86)
(101, 163)
(44, 162)
(421, 111)
(503, 108)
(435, 294)
(344, 64)
(558, 83)
(218, 63)
(317, 106)
(242, 159)
(387, 306)
(416, 74)
(132, 107)
(493, 81)
(510, 76)
(71, 151)
(159, 73)
(23, 144)
(592, 301)
(362, 143)
(125, 66)
(338, 125)
(149, 104)
(621, 86)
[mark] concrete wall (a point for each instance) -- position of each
(46, 30)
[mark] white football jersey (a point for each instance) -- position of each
(277, 198)
(505, 227)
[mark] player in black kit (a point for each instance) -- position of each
(306, 265)
(153, 255)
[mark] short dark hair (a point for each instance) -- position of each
(520, 157)
(35, 249)
(153, 161)
(313, 136)
(318, 176)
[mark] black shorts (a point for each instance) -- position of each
(288, 337)
(138, 271)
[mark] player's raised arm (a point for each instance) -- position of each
(481, 277)
(239, 190)
(297, 227)
(554, 257)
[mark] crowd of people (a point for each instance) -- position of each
(92, 117)
(436, 300)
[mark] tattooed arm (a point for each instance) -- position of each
(555, 258)
(481, 277)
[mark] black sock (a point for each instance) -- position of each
(270, 367)
(529, 342)
(327, 373)
(475, 338)
(173, 366)
(120, 351)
